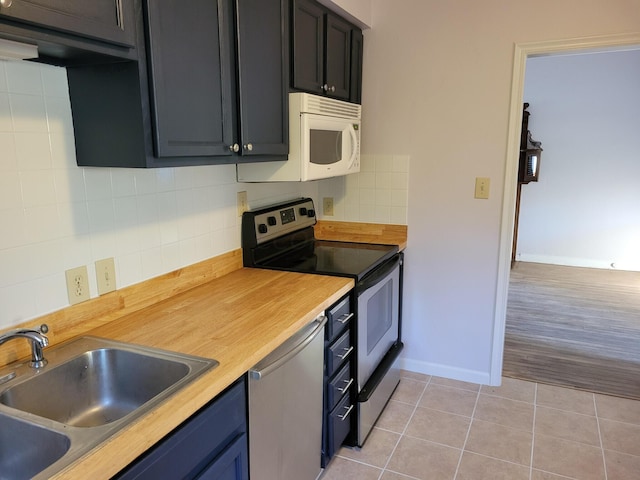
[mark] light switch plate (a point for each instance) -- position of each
(482, 187)
(105, 276)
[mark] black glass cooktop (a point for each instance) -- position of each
(332, 258)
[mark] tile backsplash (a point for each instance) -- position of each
(377, 194)
(56, 215)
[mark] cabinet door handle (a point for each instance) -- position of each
(349, 382)
(324, 87)
(333, 88)
(345, 318)
(248, 146)
(6, 3)
(346, 354)
(234, 148)
(346, 414)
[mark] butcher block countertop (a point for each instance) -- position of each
(214, 309)
(236, 319)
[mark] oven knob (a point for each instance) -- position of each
(303, 211)
(262, 228)
(311, 213)
(271, 221)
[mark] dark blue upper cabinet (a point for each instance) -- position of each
(263, 59)
(323, 52)
(72, 31)
(191, 74)
(209, 87)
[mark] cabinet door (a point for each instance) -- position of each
(262, 60)
(190, 56)
(308, 46)
(108, 20)
(232, 464)
(357, 43)
(338, 57)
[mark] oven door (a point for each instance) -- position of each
(378, 316)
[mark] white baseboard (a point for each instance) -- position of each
(445, 371)
(577, 262)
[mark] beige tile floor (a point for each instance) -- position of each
(439, 429)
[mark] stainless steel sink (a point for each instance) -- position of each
(26, 449)
(90, 388)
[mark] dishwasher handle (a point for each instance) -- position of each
(258, 374)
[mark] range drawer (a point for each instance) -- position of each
(340, 385)
(338, 318)
(338, 352)
(339, 424)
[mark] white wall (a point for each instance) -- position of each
(437, 86)
(584, 209)
(56, 216)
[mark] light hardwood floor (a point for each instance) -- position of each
(576, 327)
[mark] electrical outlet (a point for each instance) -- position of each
(243, 204)
(77, 285)
(106, 276)
(482, 187)
(327, 206)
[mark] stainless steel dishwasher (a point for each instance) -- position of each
(285, 408)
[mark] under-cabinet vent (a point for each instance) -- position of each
(326, 106)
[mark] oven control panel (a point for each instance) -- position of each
(267, 223)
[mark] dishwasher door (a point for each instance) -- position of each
(285, 408)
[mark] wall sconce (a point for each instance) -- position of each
(10, 50)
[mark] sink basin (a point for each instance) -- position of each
(95, 388)
(90, 389)
(26, 449)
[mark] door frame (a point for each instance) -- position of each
(521, 52)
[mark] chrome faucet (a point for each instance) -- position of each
(36, 338)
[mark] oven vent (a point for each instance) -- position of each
(326, 106)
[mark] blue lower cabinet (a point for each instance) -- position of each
(211, 445)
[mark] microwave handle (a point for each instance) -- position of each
(354, 142)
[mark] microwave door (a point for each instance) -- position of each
(329, 145)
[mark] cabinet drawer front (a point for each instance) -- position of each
(338, 353)
(338, 317)
(340, 424)
(232, 464)
(339, 386)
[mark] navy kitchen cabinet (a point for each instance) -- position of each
(357, 45)
(339, 377)
(322, 52)
(212, 444)
(72, 31)
(209, 87)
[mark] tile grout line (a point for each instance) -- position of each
(415, 408)
(604, 460)
(466, 438)
(533, 429)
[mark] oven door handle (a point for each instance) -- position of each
(378, 274)
(257, 374)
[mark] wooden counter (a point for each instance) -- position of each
(237, 319)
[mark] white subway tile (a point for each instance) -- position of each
(33, 151)
(28, 113)
(10, 191)
(97, 182)
(38, 188)
(8, 162)
(69, 185)
(18, 304)
(13, 228)
(6, 122)
(41, 223)
(52, 293)
(399, 215)
(383, 197)
(128, 269)
(73, 218)
(54, 81)
(145, 182)
(399, 198)
(170, 257)
(101, 216)
(24, 77)
(63, 151)
(151, 261)
(3, 78)
(165, 180)
(59, 117)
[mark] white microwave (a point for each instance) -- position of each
(324, 141)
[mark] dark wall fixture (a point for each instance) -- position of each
(528, 170)
(530, 152)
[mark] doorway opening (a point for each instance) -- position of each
(521, 53)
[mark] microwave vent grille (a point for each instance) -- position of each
(331, 107)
